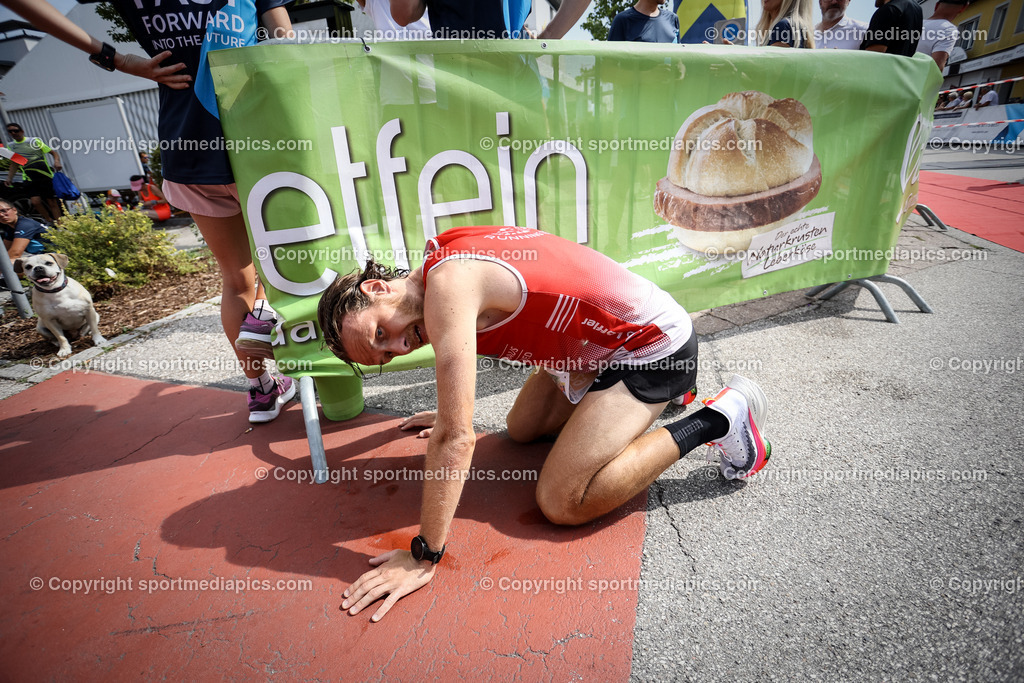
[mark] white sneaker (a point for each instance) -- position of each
(743, 450)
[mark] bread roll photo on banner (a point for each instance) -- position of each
(738, 168)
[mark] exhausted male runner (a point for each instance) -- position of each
(612, 350)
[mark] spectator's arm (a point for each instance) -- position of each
(565, 18)
(405, 12)
(880, 20)
(940, 59)
(278, 23)
(16, 247)
(48, 18)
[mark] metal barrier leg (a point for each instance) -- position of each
(312, 419)
(836, 288)
(14, 284)
(906, 287)
(883, 303)
(816, 291)
(930, 218)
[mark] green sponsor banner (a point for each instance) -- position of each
(721, 173)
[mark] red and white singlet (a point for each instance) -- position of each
(580, 310)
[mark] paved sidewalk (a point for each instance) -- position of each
(882, 542)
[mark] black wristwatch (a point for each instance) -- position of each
(421, 551)
(104, 59)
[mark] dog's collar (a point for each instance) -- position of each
(53, 291)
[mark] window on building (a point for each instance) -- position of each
(998, 19)
(967, 30)
(1020, 21)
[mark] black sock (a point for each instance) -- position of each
(693, 430)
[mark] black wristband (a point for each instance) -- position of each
(104, 59)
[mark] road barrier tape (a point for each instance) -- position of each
(981, 85)
(977, 123)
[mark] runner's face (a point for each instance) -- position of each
(389, 327)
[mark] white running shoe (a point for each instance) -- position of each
(743, 450)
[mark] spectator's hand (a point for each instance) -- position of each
(151, 69)
(425, 419)
(397, 575)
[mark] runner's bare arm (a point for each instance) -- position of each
(450, 317)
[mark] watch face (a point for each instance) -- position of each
(417, 548)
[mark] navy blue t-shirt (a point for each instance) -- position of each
(783, 32)
(635, 26)
(191, 138)
(29, 229)
(476, 19)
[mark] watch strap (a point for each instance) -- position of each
(104, 59)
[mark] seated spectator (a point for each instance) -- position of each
(966, 101)
(114, 199)
(988, 98)
(645, 22)
(151, 200)
(786, 23)
(21, 234)
(953, 102)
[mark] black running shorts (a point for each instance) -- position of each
(659, 381)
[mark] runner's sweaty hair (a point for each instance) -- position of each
(344, 297)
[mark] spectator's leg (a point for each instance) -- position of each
(229, 242)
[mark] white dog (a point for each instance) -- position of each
(64, 306)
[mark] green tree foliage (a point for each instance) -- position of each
(120, 33)
(601, 14)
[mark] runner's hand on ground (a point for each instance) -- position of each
(423, 419)
(397, 575)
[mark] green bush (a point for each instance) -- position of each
(123, 242)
